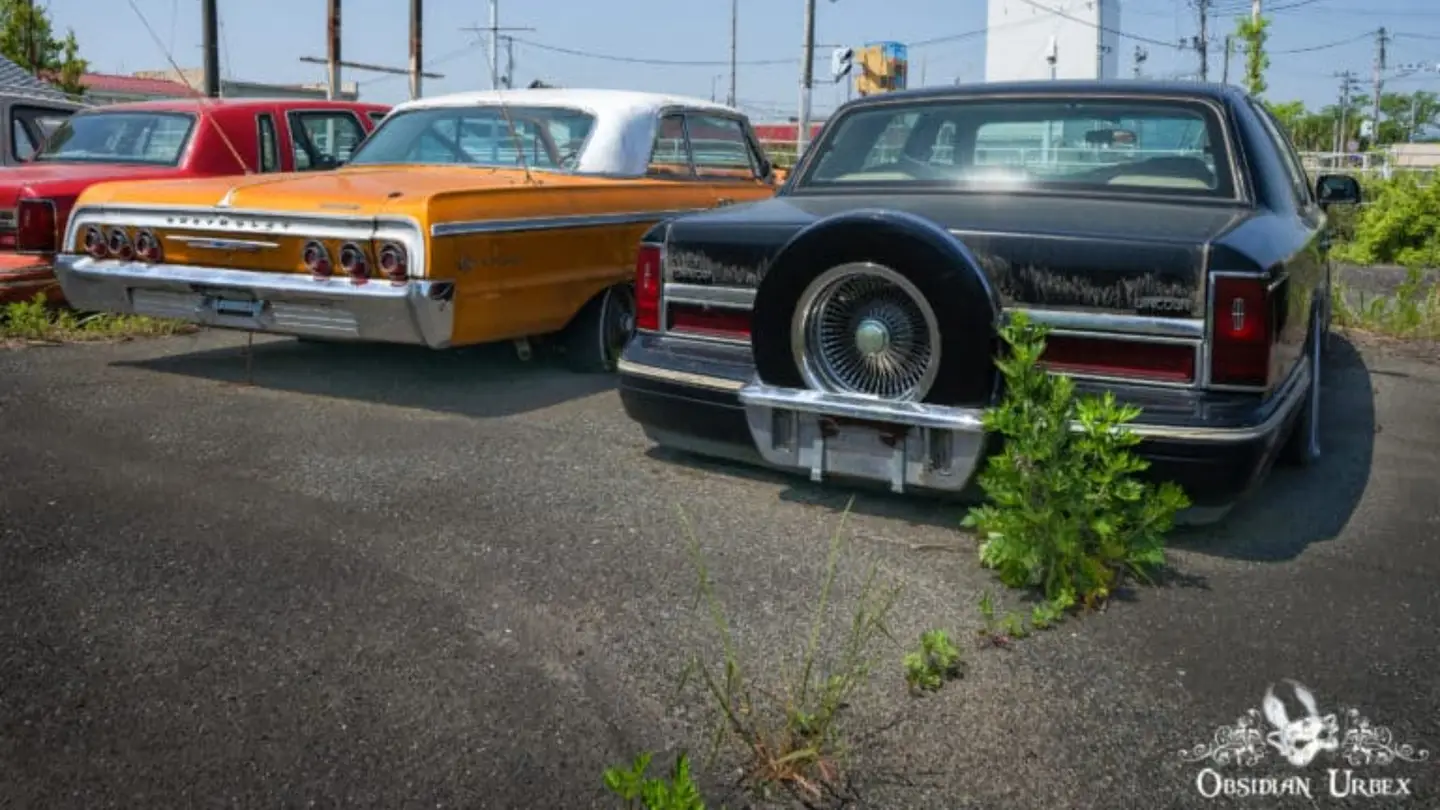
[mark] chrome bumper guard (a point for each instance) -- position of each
(906, 444)
(417, 312)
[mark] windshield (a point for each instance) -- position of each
(120, 137)
(550, 137)
(1109, 146)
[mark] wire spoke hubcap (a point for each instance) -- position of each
(865, 329)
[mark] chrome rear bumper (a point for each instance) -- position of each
(419, 312)
(906, 444)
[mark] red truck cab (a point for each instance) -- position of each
(159, 140)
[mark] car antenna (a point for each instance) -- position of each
(509, 122)
(235, 153)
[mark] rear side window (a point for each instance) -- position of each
(670, 157)
(323, 140)
(720, 148)
(1299, 180)
(269, 143)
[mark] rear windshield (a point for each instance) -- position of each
(120, 137)
(1109, 146)
(542, 138)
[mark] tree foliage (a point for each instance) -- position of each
(1253, 33)
(1401, 114)
(28, 39)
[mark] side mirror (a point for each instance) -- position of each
(1337, 188)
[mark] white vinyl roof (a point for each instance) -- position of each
(625, 120)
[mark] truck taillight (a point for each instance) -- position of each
(647, 287)
(35, 227)
(1242, 332)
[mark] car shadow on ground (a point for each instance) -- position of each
(1296, 507)
(1292, 508)
(483, 381)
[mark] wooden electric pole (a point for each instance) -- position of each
(210, 38)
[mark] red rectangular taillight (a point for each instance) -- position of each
(1242, 331)
(35, 227)
(1117, 357)
(709, 322)
(648, 280)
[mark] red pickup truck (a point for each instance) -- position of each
(155, 140)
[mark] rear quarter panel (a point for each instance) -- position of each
(526, 259)
(1284, 242)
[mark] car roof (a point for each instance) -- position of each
(241, 104)
(596, 100)
(622, 136)
(1063, 87)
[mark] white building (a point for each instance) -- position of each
(1082, 36)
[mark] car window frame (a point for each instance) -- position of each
(755, 160)
(193, 124)
(1304, 194)
(261, 120)
(300, 135)
(689, 149)
(1230, 190)
(25, 115)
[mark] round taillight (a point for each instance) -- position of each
(316, 259)
(147, 247)
(393, 262)
(353, 263)
(95, 242)
(119, 244)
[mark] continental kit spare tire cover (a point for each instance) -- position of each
(878, 302)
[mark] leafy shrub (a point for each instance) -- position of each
(1400, 224)
(37, 320)
(1066, 512)
(633, 785)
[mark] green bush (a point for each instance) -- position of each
(1400, 224)
(1066, 512)
(638, 790)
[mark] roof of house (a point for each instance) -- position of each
(15, 80)
(194, 104)
(131, 85)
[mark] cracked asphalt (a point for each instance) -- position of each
(385, 577)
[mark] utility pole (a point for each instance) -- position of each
(1140, 56)
(417, 46)
(1254, 10)
(210, 37)
(734, 48)
(1202, 42)
(807, 78)
(494, 30)
(1379, 84)
(332, 54)
(1225, 71)
(1347, 82)
(30, 37)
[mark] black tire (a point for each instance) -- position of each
(595, 338)
(1302, 446)
(951, 282)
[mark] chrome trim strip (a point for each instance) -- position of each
(1095, 322)
(707, 296)
(553, 223)
(681, 377)
(940, 416)
(204, 243)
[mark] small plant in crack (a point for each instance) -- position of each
(795, 740)
(936, 661)
(634, 786)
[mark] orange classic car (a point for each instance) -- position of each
(462, 219)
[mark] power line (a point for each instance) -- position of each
(1327, 45)
(1057, 12)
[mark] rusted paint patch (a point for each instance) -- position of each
(698, 267)
(1032, 285)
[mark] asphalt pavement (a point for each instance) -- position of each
(370, 576)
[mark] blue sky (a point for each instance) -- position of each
(262, 40)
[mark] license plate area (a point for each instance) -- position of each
(233, 304)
